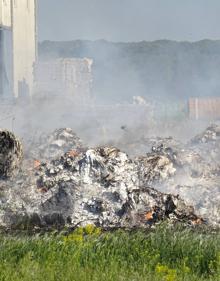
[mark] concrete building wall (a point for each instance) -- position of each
(6, 64)
(5, 13)
(68, 76)
(24, 45)
(5, 49)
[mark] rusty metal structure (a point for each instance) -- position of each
(204, 108)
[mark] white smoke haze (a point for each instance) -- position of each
(165, 73)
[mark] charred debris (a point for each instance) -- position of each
(59, 182)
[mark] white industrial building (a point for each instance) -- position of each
(17, 47)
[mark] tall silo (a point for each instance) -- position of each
(6, 52)
(18, 45)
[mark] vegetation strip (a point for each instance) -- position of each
(89, 254)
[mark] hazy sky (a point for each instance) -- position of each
(129, 20)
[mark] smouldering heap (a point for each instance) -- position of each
(105, 187)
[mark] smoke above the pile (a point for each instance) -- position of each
(165, 73)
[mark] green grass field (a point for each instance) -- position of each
(163, 254)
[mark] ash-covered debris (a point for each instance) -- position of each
(53, 145)
(197, 173)
(100, 186)
(106, 165)
(155, 167)
(211, 134)
(204, 195)
(10, 154)
(207, 144)
(104, 186)
(194, 166)
(175, 157)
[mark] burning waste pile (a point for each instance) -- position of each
(50, 146)
(103, 186)
(194, 173)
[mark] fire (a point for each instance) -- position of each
(149, 216)
(72, 153)
(197, 221)
(37, 164)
